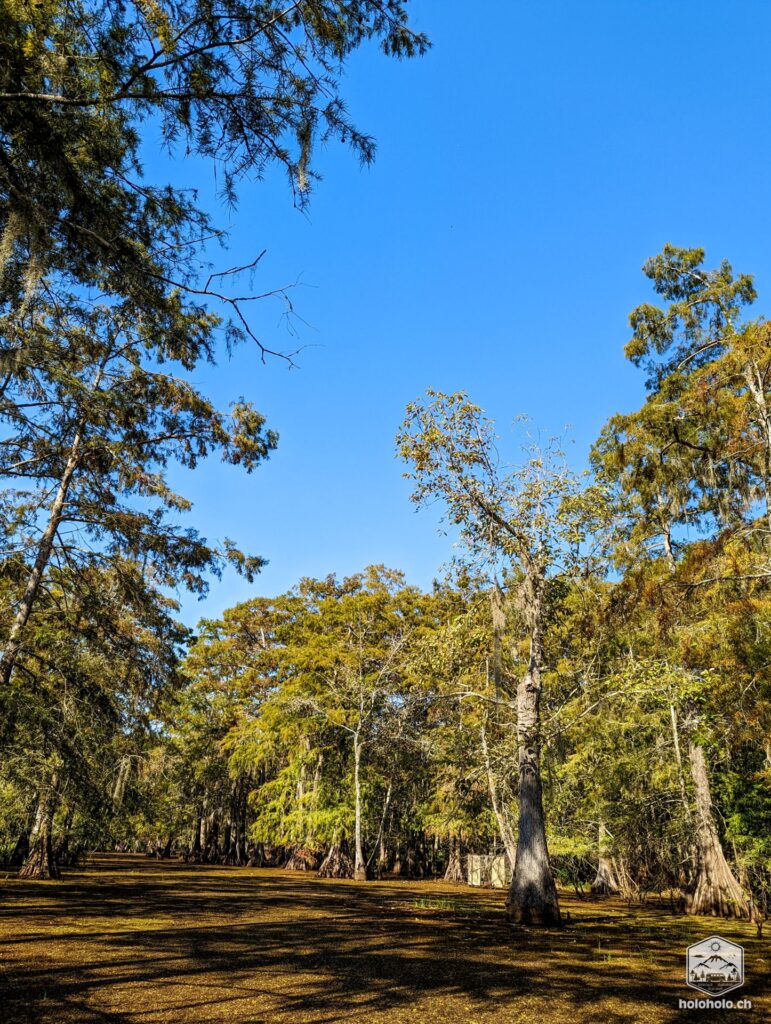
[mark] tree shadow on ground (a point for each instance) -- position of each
(131, 940)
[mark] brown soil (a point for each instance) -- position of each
(129, 940)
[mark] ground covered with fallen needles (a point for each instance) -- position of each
(128, 940)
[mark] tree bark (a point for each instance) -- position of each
(256, 857)
(382, 858)
(211, 853)
(679, 760)
(300, 798)
(62, 854)
(605, 881)
(532, 896)
(45, 547)
(337, 863)
(360, 868)
(378, 845)
(239, 841)
(302, 859)
(715, 890)
(20, 850)
(195, 852)
(627, 885)
(40, 863)
(454, 872)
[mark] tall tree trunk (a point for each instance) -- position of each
(715, 890)
(238, 838)
(20, 850)
(360, 868)
(507, 836)
(39, 566)
(454, 871)
(627, 885)
(605, 881)
(45, 547)
(532, 896)
(40, 863)
(382, 858)
(498, 616)
(212, 852)
(679, 760)
(378, 844)
(61, 853)
(195, 852)
(300, 798)
(314, 800)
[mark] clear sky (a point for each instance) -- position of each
(526, 168)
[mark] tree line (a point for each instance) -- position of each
(587, 688)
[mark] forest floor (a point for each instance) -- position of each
(128, 940)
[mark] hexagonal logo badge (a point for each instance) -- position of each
(715, 965)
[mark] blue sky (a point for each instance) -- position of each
(526, 168)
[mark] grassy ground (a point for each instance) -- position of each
(129, 940)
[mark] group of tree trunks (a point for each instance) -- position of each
(713, 888)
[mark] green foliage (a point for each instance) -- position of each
(637, 605)
(704, 306)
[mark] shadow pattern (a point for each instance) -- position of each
(128, 940)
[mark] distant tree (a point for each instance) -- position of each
(344, 664)
(318, 684)
(467, 671)
(229, 672)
